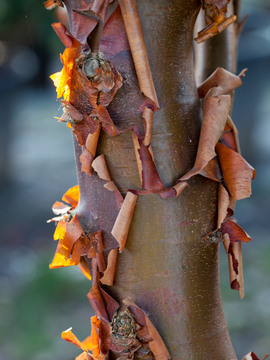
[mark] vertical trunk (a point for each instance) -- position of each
(166, 267)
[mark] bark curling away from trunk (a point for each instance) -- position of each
(159, 172)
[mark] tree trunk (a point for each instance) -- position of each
(166, 267)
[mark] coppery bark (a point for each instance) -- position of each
(166, 268)
(220, 50)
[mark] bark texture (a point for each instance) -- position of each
(166, 267)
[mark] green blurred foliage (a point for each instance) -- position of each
(33, 317)
(27, 22)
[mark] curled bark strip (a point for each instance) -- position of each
(180, 187)
(214, 29)
(100, 262)
(215, 18)
(89, 151)
(70, 337)
(157, 345)
(236, 171)
(86, 159)
(98, 240)
(235, 232)
(226, 242)
(92, 141)
(221, 82)
(83, 266)
(104, 336)
(122, 223)
(114, 37)
(243, 73)
(212, 170)
(68, 232)
(108, 276)
(62, 256)
(100, 13)
(223, 204)
(95, 272)
(99, 165)
(64, 217)
(230, 138)
(106, 121)
(136, 40)
(51, 4)
(151, 182)
(60, 231)
(60, 208)
(98, 244)
(93, 39)
(136, 149)
(215, 113)
(95, 322)
(63, 211)
(236, 268)
(150, 177)
(111, 305)
(96, 300)
(80, 25)
(147, 122)
(118, 196)
(231, 206)
(252, 356)
(233, 236)
(105, 307)
(63, 34)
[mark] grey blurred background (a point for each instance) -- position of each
(37, 167)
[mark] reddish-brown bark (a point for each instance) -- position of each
(166, 267)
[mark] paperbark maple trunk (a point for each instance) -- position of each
(166, 267)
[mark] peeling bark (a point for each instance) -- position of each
(165, 267)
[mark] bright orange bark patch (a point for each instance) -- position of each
(70, 337)
(62, 256)
(62, 79)
(95, 323)
(72, 196)
(68, 232)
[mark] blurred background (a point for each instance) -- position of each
(37, 167)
